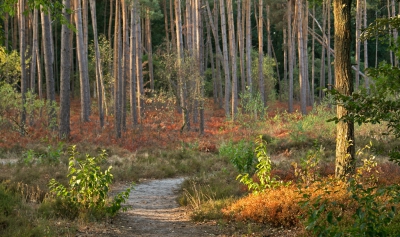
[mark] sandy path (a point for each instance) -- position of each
(155, 212)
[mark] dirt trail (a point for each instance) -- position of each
(155, 212)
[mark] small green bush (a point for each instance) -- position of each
(241, 155)
(88, 186)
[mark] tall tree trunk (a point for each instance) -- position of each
(48, 62)
(139, 71)
(117, 71)
(261, 52)
(22, 48)
(83, 65)
(328, 52)
(173, 33)
(313, 60)
(232, 49)
(269, 42)
(358, 42)
(99, 70)
(322, 79)
(180, 54)
(365, 45)
(166, 25)
(240, 35)
(225, 55)
(301, 50)
(6, 31)
(110, 21)
(35, 26)
(345, 146)
(149, 50)
(290, 55)
(64, 129)
(125, 55)
(248, 46)
(133, 101)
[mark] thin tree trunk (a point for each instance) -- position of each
(358, 42)
(225, 55)
(139, 71)
(313, 60)
(64, 129)
(117, 71)
(365, 45)
(173, 33)
(302, 75)
(99, 70)
(232, 49)
(125, 66)
(133, 101)
(110, 21)
(248, 47)
(83, 65)
(330, 82)
(240, 36)
(261, 52)
(166, 25)
(149, 50)
(24, 78)
(290, 55)
(35, 26)
(6, 33)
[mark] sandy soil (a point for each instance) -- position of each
(155, 212)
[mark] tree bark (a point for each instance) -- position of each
(226, 59)
(99, 70)
(22, 48)
(64, 129)
(345, 146)
(133, 101)
(83, 65)
(48, 62)
(261, 52)
(233, 54)
(290, 55)
(117, 71)
(248, 46)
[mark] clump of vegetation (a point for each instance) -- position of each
(87, 191)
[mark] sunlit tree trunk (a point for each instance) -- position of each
(226, 58)
(83, 64)
(301, 50)
(240, 36)
(117, 71)
(366, 45)
(290, 55)
(48, 62)
(358, 42)
(248, 46)
(132, 78)
(345, 146)
(261, 51)
(139, 69)
(64, 128)
(180, 53)
(233, 54)
(125, 66)
(99, 70)
(35, 26)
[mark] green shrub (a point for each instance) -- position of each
(263, 171)
(241, 155)
(88, 186)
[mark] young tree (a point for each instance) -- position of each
(22, 45)
(261, 51)
(345, 147)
